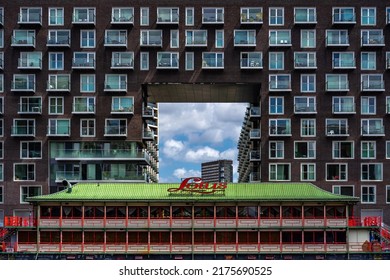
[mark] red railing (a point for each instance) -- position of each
(366, 222)
(19, 221)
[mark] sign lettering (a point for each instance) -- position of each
(196, 185)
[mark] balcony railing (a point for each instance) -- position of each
(332, 130)
(59, 41)
(251, 63)
(115, 86)
(31, 16)
(22, 86)
(254, 177)
(115, 130)
(83, 63)
(255, 155)
(373, 86)
(111, 153)
(31, 108)
(255, 133)
(29, 63)
(373, 130)
(373, 40)
(23, 41)
(58, 86)
(337, 86)
(344, 109)
(280, 131)
(254, 112)
(23, 130)
(104, 176)
(304, 108)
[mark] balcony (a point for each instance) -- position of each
(254, 112)
(211, 60)
(305, 108)
(252, 15)
(30, 16)
(305, 16)
(280, 83)
(2, 16)
(58, 38)
(83, 60)
(151, 38)
(58, 127)
(167, 15)
(94, 154)
(372, 38)
(167, 60)
(115, 83)
(344, 108)
(337, 38)
(23, 38)
(343, 60)
(344, 16)
(335, 128)
(58, 83)
(255, 177)
(255, 155)
(196, 38)
(30, 105)
(122, 60)
(84, 105)
(76, 176)
(122, 105)
(245, 38)
(122, 16)
(23, 83)
(372, 82)
(84, 16)
(255, 133)
(25, 128)
(149, 112)
(336, 82)
(372, 127)
(280, 38)
(212, 15)
(251, 60)
(116, 127)
(280, 128)
(30, 61)
(148, 134)
(115, 38)
(304, 60)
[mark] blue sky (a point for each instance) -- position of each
(192, 133)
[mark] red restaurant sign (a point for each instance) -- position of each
(196, 185)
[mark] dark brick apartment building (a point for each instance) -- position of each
(80, 83)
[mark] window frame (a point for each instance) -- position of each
(56, 105)
(338, 177)
(278, 19)
(368, 166)
(365, 193)
(88, 44)
(22, 201)
(29, 150)
(308, 128)
(341, 142)
(369, 148)
(334, 187)
(310, 151)
(308, 172)
(278, 149)
(27, 174)
(56, 10)
(87, 128)
(288, 165)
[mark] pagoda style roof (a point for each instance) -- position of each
(218, 192)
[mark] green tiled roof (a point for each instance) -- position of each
(159, 192)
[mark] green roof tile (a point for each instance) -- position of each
(159, 192)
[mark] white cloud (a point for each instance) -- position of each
(183, 173)
(202, 154)
(173, 148)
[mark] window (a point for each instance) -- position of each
(368, 16)
(87, 127)
(56, 105)
(372, 172)
(212, 15)
(308, 127)
(58, 38)
(196, 38)
(280, 127)
(122, 105)
(30, 149)
(30, 60)
(174, 38)
(1, 173)
(115, 38)
(122, 15)
(219, 38)
(83, 105)
(30, 105)
(23, 82)
(1, 200)
(337, 38)
(251, 15)
(115, 82)
(308, 171)
(336, 172)
(279, 38)
(336, 82)
(344, 190)
(122, 60)
(23, 127)
(368, 194)
(58, 127)
(1, 105)
(1, 59)
(83, 60)
(189, 61)
(276, 105)
(59, 82)
(56, 16)
(343, 150)
(305, 105)
(276, 149)
(144, 17)
(343, 60)
(368, 61)
(368, 149)
(343, 105)
(372, 38)
(87, 83)
(308, 82)
(387, 60)
(84, 15)
(23, 38)
(305, 149)
(244, 38)
(1, 83)
(372, 82)
(1, 38)
(87, 39)
(276, 16)
(1, 127)
(305, 60)
(56, 61)
(387, 149)
(1, 149)
(305, 15)
(190, 15)
(29, 191)
(368, 105)
(336, 127)
(167, 15)
(280, 82)
(372, 127)
(276, 60)
(344, 15)
(251, 60)
(24, 172)
(279, 172)
(387, 15)
(30, 15)
(387, 194)
(151, 38)
(212, 60)
(308, 38)
(115, 127)
(144, 56)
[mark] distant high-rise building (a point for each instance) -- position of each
(217, 171)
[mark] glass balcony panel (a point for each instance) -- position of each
(336, 128)
(122, 15)
(343, 105)
(305, 15)
(251, 60)
(59, 38)
(280, 128)
(251, 15)
(196, 38)
(122, 105)
(245, 38)
(122, 60)
(30, 61)
(151, 38)
(280, 83)
(305, 60)
(167, 60)
(344, 15)
(83, 60)
(115, 83)
(337, 38)
(23, 128)
(59, 83)
(372, 127)
(280, 38)
(373, 38)
(23, 38)
(167, 15)
(115, 38)
(23, 83)
(343, 60)
(83, 16)
(212, 60)
(372, 82)
(255, 133)
(337, 83)
(212, 15)
(84, 105)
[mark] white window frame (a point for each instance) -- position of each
(387, 194)
(274, 79)
(271, 165)
(87, 60)
(276, 16)
(56, 10)
(56, 105)
(1, 149)
(340, 127)
(29, 78)
(362, 106)
(1, 127)
(310, 105)
(338, 103)
(144, 61)
(1, 38)
(338, 63)
(308, 172)
(340, 143)
(173, 12)
(90, 83)
(2, 197)
(90, 102)
(308, 10)
(337, 189)
(112, 119)
(27, 124)
(371, 60)
(190, 61)
(340, 34)
(87, 128)
(305, 37)
(28, 150)
(192, 34)
(1, 172)
(302, 127)
(273, 126)
(362, 201)
(309, 150)
(144, 16)
(56, 126)
(368, 132)
(120, 109)
(190, 19)
(145, 34)
(217, 11)
(1, 82)
(251, 61)
(88, 32)
(218, 40)
(368, 172)
(339, 21)
(217, 56)
(277, 99)
(119, 79)
(27, 164)
(367, 16)
(120, 34)
(342, 78)
(310, 60)
(247, 18)
(276, 60)
(30, 60)
(279, 148)
(345, 165)
(122, 19)
(368, 147)
(174, 38)
(277, 41)
(58, 60)
(27, 192)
